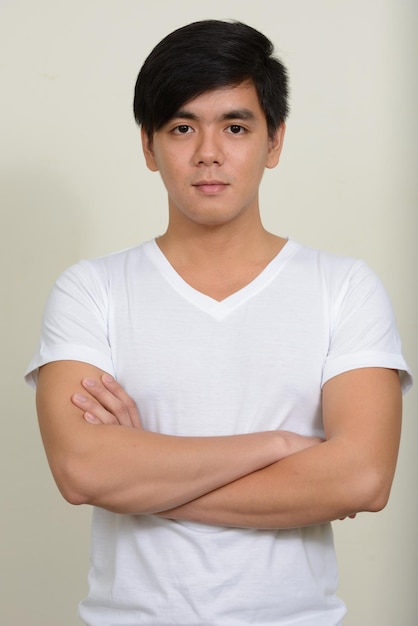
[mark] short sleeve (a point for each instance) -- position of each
(74, 325)
(363, 328)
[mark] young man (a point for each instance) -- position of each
(219, 394)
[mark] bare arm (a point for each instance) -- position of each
(351, 472)
(119, 466)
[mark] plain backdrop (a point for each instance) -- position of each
(73, 184)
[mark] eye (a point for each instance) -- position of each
(236, 129)
(182, 129)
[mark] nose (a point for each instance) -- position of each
(208, 149)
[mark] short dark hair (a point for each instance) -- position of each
(208, 55)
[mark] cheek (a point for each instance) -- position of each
(172, 166)
(252, 168)
(166, 168)
(173, 180)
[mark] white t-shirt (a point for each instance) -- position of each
(195, 366)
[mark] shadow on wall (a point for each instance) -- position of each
(41, 233)
(42, 227)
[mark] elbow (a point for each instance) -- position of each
(72, 495)
(378, 499)
(71, 482)
(375, 491)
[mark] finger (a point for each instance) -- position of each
(109, 401)
(111, 404)
(93, 412)
(89, 417)
(129, 403)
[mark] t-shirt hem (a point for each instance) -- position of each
(360, 360)
(67, 353)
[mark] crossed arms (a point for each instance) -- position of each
(99, 454)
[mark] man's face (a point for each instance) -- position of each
(212, 155)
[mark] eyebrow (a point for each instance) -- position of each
(234, 114)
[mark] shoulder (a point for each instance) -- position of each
(100, 270)
(335, 271)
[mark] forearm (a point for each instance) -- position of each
(350, 472)
(314, 486)
(262, 480)
(126, 469)
(113, 463)
(129, 471)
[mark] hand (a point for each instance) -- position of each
(107, 403)
(292, 442)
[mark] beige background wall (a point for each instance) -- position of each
(73, 184)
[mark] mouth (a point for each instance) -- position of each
(210, 186)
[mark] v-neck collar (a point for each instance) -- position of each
(215, 308)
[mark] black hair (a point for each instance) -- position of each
(208, 55)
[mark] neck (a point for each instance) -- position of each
(219, 260)
(224, 245)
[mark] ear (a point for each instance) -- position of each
(275, 146)
(147, 148)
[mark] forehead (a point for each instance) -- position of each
(240, 101)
